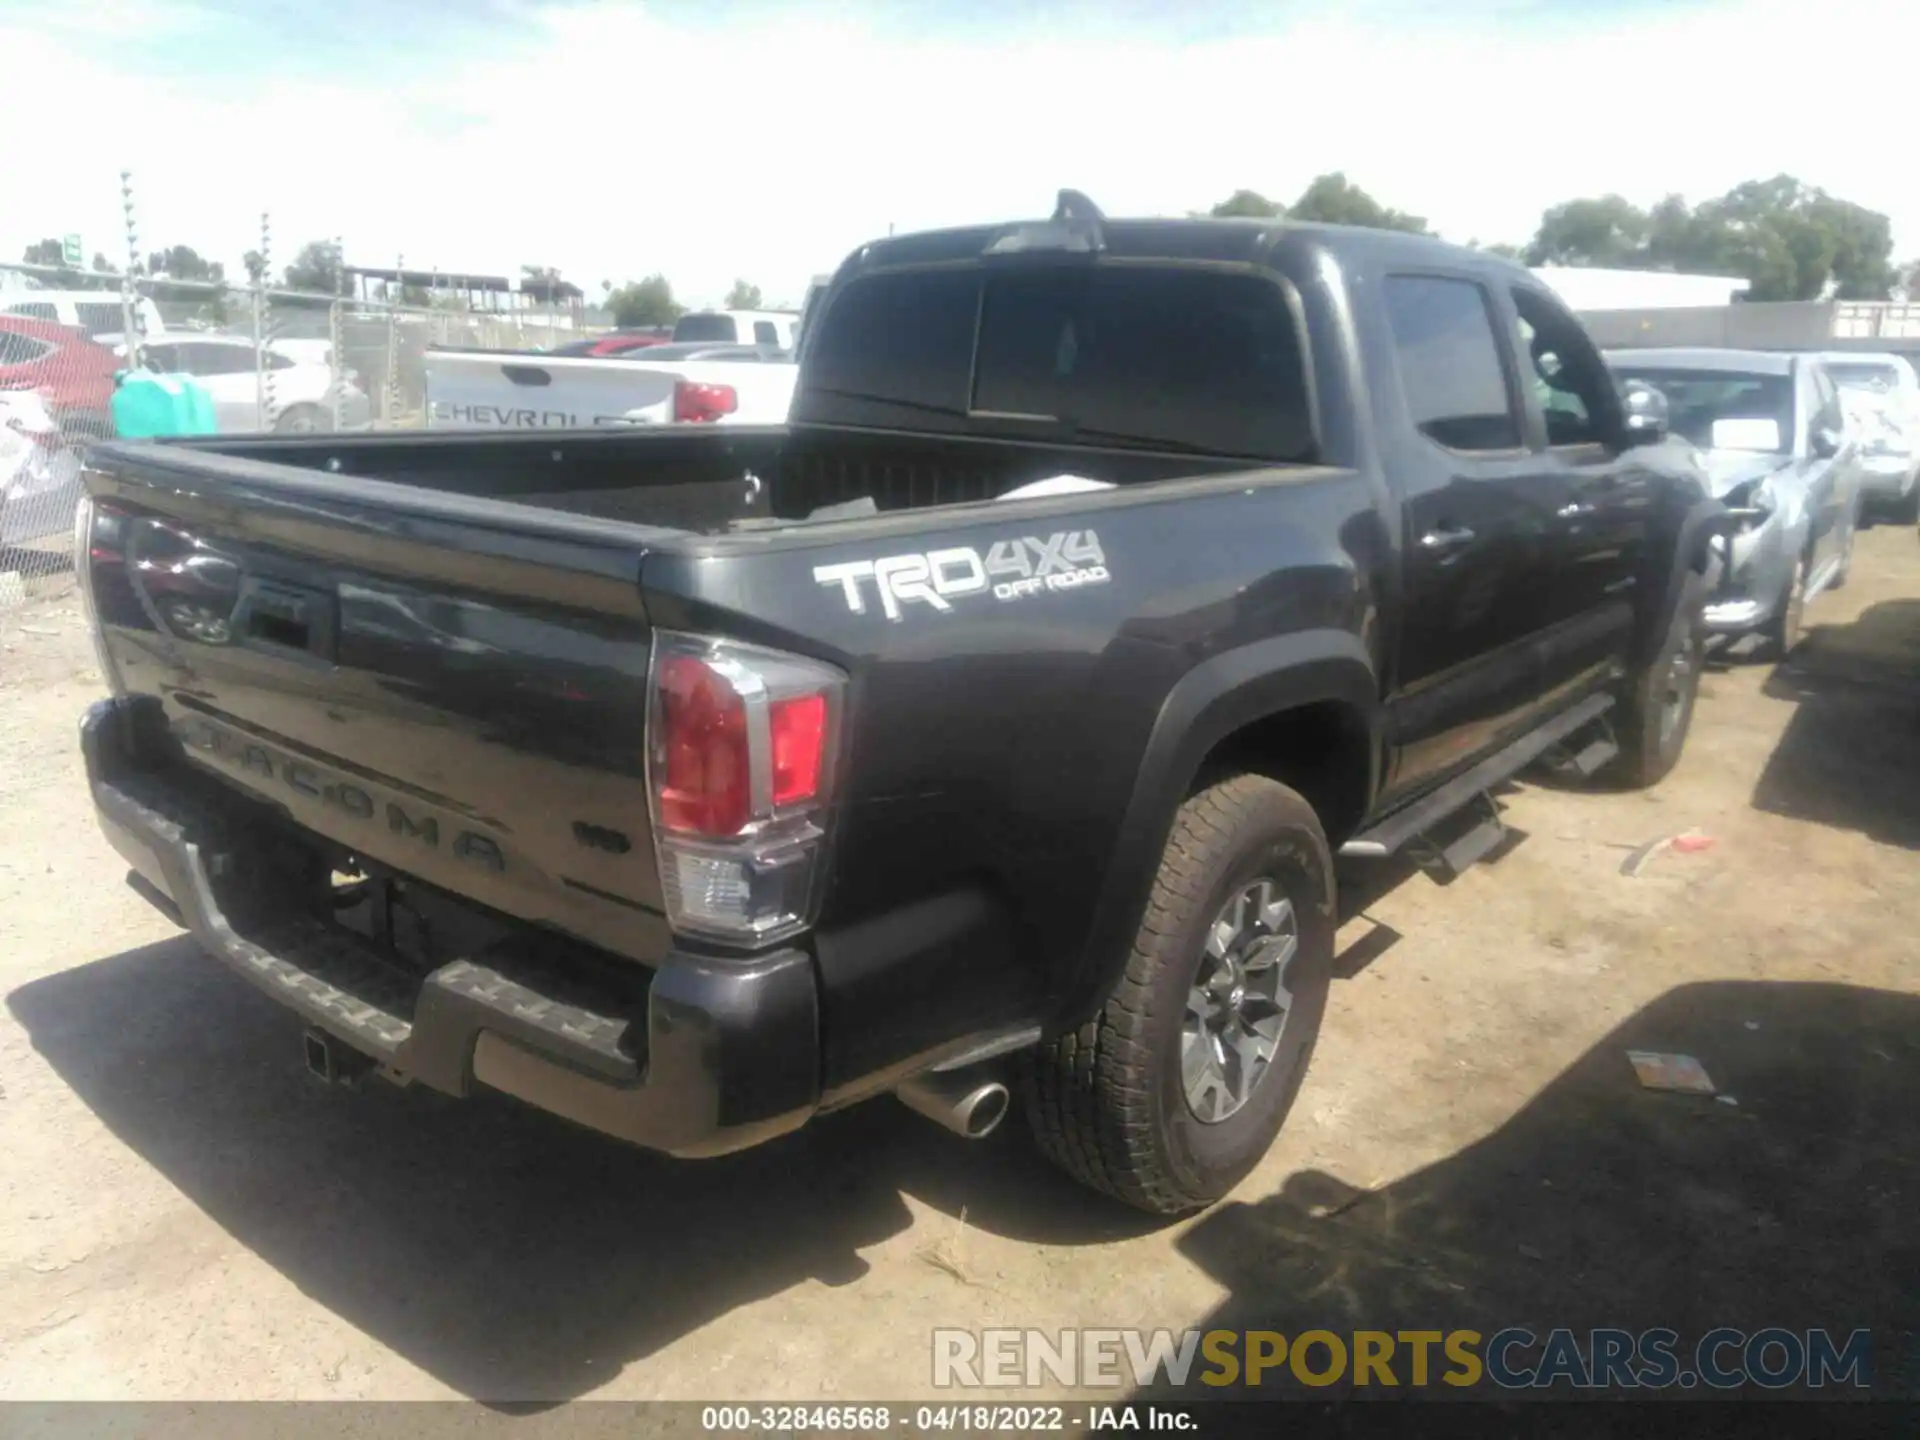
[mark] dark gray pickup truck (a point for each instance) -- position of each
(689, 782)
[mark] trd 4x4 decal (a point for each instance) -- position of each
(1010, 570)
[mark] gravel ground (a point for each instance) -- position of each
(185, 1214)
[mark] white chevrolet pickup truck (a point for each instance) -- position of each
(664, 384)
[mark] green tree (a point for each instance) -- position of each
(183, 262)
(1248, 204)
(1332, 199)
(44, 252)
(1787, 239)
(316, 269)
(644, 302)
(256, 266)
(1609, 231)
(1497, 247)
(743, 296)
(1673, 235)
(102, 265)
(1863, 267)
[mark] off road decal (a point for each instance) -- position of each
(1010, 570)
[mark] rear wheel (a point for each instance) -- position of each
(1169, 1093)
(1656, 711)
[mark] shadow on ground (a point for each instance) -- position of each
(1850, 757)
(509, 1255)
(1605, 1204)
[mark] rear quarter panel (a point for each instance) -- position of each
(995, 738)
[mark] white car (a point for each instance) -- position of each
(97, 312)
(1882, 397)
(39, 471)
(300, 395)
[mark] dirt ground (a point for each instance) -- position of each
(184, 1213)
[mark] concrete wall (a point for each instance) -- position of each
(1784, 325)
(1587, 288)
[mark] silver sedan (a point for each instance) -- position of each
(1780, 454)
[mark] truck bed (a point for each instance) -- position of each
(705, 480)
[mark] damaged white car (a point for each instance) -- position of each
(1882, 396)
(1782, 457)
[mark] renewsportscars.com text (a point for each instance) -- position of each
(1512, 1359)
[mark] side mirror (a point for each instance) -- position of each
(1646, 413)
(1825, 442)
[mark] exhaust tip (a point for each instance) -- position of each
(968, 1105)
(988, 1107)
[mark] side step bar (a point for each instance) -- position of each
(1393, 833)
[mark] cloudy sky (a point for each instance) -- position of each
(765, 138)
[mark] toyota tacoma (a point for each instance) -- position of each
(989, 730)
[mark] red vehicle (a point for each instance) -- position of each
(73, 375)
(616, 342)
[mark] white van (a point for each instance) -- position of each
(97, 312)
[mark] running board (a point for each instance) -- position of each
(1393, 833)
(1590, 759)
(1479, 840)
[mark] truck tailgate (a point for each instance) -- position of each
(504, 391)
(485, 390)
(452, 687)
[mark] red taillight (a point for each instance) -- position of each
(696, 402)
(799, 746)
(741, 766)
(706, 782)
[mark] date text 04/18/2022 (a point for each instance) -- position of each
(942, 1418)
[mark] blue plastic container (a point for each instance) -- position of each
(146, 405)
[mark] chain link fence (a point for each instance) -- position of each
(271, 359)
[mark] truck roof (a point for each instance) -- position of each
(1241, 240)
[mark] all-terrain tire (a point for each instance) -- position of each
(1106, 1100)
(1655, 709)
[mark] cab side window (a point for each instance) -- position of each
(1448, 355)
(1568, 378)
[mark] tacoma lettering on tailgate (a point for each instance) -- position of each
(338, 794)
(1010, 570)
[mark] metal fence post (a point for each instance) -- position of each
(336, 331)
(129, 313)
(260, 319)
(393, 342)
